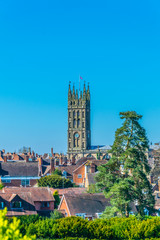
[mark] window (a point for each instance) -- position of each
(79, 175)
(69, 135)
(1, 205)
(69, 124)
(83, 124)
(83, 145)
(81, 215)
(74, 123)
(83, 135)
(69, 114)
(74, 114)
(78, 123)
(6, 180)
(78, 114)
(16, 204)
(45, 204)
(25, 182)
(69, 144)
(82, 114)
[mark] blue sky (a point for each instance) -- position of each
(114, 45)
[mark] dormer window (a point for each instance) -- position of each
(16, 204)
(45, 204)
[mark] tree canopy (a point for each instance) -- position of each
(124, 179)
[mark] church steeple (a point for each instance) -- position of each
(88, 93)
(84, 92)
(69, 92)
(73, 95)
(79, 132)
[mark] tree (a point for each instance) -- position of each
(57, 199)
(54, 181)
(124, 179)
(57, 172)
(56, 215)
(10, 231)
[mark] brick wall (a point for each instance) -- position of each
(76, 180)
(64, 207)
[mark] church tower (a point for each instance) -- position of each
(79, 133)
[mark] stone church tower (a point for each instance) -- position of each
(79, 133)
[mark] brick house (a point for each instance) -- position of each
(19, 173)
(84, 205)
(27, 201)
(80, 174)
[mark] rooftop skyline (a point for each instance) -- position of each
(113, 45)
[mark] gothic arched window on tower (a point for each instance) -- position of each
(74, 114)
(83, 135)
(74, 123)
(69, 124)
(78, 114)
(78, 123)
(82, 114)
(83, 124)
(76, 140)
(83, 145)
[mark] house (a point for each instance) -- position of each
(84, 205)
(80, 174)
(27, 201)
(19, 173)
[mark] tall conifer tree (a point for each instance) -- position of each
(124, 179)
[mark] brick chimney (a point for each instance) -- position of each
(52, 152)
(61, 160)
(52, 165)
(33, 154)
(27, 158)
(5, 158)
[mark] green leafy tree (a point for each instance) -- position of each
(56, 214)
(124, 179)
(57, 199)
(54, 181)
(57, 172)
(10, 231)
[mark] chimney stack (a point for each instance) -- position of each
(5, 158)
(27, 158)
(52, 165)
(61, 160)
(52, 152)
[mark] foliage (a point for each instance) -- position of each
(10, 230)
(57, 199)
(56, 214)
(54, 181)
(78, 228)
(57, 172)
(124, 179)
(93, 189)
(1, 185)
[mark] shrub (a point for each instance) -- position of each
(57, 199)
(56, 215)
(54, 181)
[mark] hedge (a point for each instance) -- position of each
(78, 228)
(54, 181)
